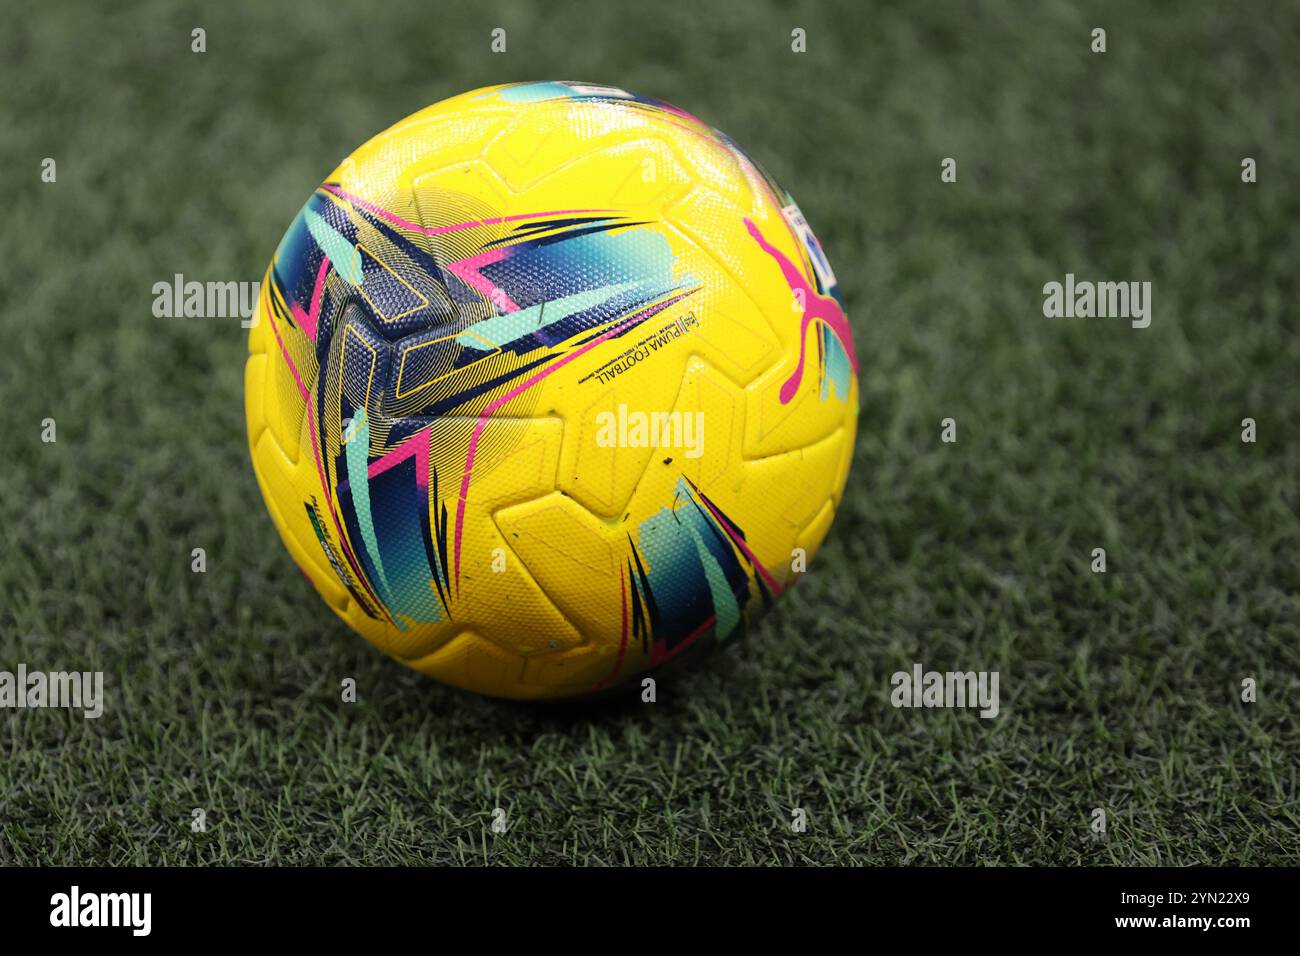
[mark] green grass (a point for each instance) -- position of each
(1118, 691)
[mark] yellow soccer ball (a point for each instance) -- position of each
(549, 385)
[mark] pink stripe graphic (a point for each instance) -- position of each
(309, 320)
(302, 389)
(816, 306)
(442, 230)
(417, 443)
(739, 542)
(467, 270)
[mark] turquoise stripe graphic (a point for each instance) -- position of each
(357, 441)
(837, 367)
(502, 329)
(724, 601)
(344, 256)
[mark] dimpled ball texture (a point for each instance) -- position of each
(550, 385)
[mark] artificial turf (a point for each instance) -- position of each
(1119, 691)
